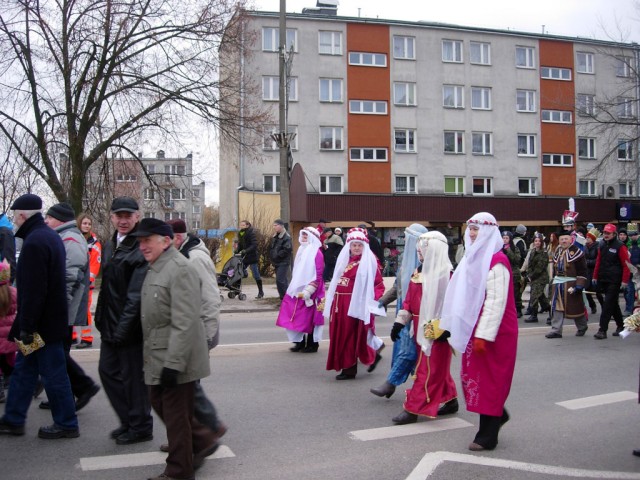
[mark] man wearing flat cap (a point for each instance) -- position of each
(280, 255)
(42, 309)
(118, 321)
(175, 347)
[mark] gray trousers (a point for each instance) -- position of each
(558, 320)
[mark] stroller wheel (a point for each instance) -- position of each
(231, 294)
(242, 296)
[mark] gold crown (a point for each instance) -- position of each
(632, 227)
(595, 232)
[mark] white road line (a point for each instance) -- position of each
(419, 428)
(433, 460)
(598, 400)
(138, 459)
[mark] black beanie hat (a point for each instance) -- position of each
(62, 211)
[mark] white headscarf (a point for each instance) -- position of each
(362, 303)
(466, 291)
(304, 267)
(409, 257)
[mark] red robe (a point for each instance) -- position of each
(348, 335)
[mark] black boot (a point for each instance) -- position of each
(533, 318)
(297, 346)
(528, 310)
(260, 292)
(312, 347)
(519, 310)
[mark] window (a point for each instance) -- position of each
(480, 53)
(149, 214)
(271, 183)
(196, 224)
(123, 177)
(556, 116)
(452, 96)
(330, 184)
(526, 186)
(330, 138)
(330, 43)
(525, 57)
(452, 51)
(554, 73)
(625, 150)
(405, 184)
(404, 94)
(587, 188)
(331, 90)
(454, 142)
(173, 170)
(625, 107)
(585, 105)
(480, 98)
(368, 107)
(526, 145)
(197, 209)
(481, 143)
(196, 192)
(271, 39)
(525, 100)
(404, 47)
(271, 88)
(623, 66)
(625, 189)
(404, 140)
(584, 62)
(149, 194)
(368, 154)
(557, 160)
(151, 169)
(177, 194)
(586, 148)
(268, 143)
(454, 185)
(368, 59)
(482, 186)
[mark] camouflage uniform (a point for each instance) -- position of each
(513, 254)
(538, 273)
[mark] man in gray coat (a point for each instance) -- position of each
(174, 347)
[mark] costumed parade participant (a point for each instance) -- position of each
(480, 314)
(538, 274)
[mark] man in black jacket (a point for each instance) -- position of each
(248, 250)
(118, 321)
(280, 255)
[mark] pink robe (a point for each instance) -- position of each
(294, 314)
(486, 378)
(433, 383)
(348, 335)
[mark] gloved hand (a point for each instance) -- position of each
(382, 305)
(306, 294)
(26, 338)
(443, 338)
(395, 331)
(169, 377)
(241, 253)
(479, 346)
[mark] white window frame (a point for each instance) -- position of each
(150, 168)
(626, 148)
(487, 187)
(480, 53)
(177, 194)
(456, 51)
(625, 107)
(557, 160)
(411, 182)
(333, 86)
(149, 194)
(531, 142)
(626, 188)
(368, 59)
(623, 66)
(486, 143)
(590, 188)
(376, 154)
(269, 144)
(531, 186)
(585, 62)
(374, 107)
(410, 140)
(526, 101)
(588, 146)
(406, 90)
(485, 98)
(404, 47)
(149, 215)
(529, 57)
(325, 184)
(272, 35)
(456, 94)
(196, 224)
(458, 183)
(197, 209)
(126, 178)
(271, 88)
(274, 181)
(333, 48)
(585, 105)
(556, 73)
(557, 116)
(336, 138)
(458, 142)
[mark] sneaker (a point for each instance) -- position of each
(553, 335)
(82, 345)
(52, 432)
(600, 335)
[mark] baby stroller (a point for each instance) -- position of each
(231, 277)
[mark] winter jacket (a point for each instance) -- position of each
(77, 267)
(333, 245)
(117, 315)
(538, 268)
(281, 248)
(95, 258)
(248, 246)
(611, 263)
(8, 244)
(634, 253)
(6, 345)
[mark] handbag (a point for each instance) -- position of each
(29, 348)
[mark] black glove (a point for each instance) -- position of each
(395, 331)
(26, 338)
(443, 338)
(169, 377)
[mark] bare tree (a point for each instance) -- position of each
(80, 77)
(15, 177)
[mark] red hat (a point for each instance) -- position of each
(609, 227)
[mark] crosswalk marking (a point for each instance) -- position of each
(598, 400)
(433, 460)
(429, 426)
(138, 459)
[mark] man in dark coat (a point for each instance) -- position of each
(374, 244)
(118, 321)
(42, 309)
(280, 256)
(248, 250)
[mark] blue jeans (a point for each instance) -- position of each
(403, 359)
(630, 296)
(255, 271)
(48, 363)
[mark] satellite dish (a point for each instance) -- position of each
(610, 191)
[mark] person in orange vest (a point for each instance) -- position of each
(85, 223)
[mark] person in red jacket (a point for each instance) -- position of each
(85, 223)
(8, 308)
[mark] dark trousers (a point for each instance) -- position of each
(282, 279)
(203, 409)
(121, 375)
(487, 435)
(80, 381)
(611, 307)
(185, 434)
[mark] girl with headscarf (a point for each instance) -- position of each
(421, 310)
(480, 314)
(298, 312)
(351, 302)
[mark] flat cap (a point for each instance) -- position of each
(124, 204)
(152, 226)
(28, 201)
